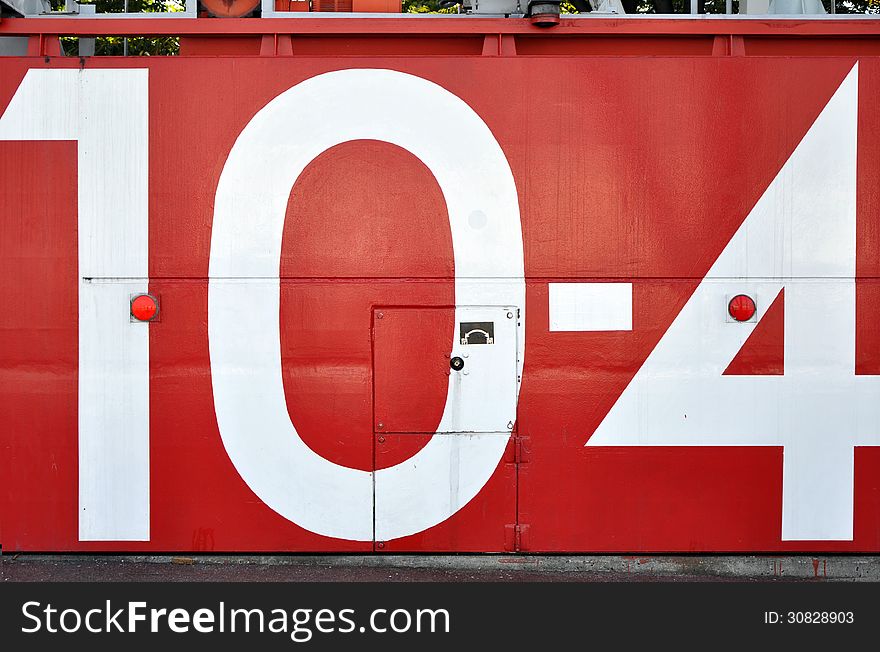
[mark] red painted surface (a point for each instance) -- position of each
(38, 375)
(763, 353)
(662, 27)
(410, 390)
(615, 162)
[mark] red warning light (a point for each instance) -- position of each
(741, 307)
(144, 307)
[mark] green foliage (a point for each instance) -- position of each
(117, 6)
(135, 46)
(140, 46)
(427, 7)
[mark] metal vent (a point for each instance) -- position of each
(331, 5)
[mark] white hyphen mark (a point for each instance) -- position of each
(590, 306)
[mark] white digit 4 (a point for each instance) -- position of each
(801, 236)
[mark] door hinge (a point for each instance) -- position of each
(516, 537)
(521, 449)
(517, 451)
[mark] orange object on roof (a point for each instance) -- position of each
(292, 5)
(230, 8)
(376, 6)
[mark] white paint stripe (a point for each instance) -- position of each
(817, 490)
(590, 306)
(105, 111)
(114, 416)
(114, 354)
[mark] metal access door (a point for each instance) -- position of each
(445, 389)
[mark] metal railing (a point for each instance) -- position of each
(692, 8)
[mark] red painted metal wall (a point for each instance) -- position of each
(636, 168)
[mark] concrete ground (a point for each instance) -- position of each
(436, 568)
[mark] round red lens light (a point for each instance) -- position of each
(741, 307)
(144, 307)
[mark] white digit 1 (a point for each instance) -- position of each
(801, 236)
(244, 295)
(105, 112)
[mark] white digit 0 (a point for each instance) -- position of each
(244, 294)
